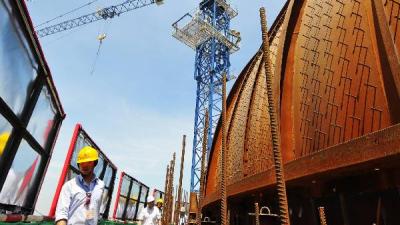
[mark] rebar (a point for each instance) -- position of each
(178, 203)
(203, 170)
(322, 217)
(378, 211)
(282, 198)
(168, 196)
(169, 207)
(257, 213)
(224, 157)
(163, 218)
(171, 202)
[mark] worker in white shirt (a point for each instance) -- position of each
(80, 198)
(150, 215)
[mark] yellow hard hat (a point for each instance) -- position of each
(3, 141)
(160, 201)
(87, 154)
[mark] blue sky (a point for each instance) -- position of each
(140, 99)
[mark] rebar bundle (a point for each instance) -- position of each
(282, 198)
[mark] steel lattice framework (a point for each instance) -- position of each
(208, 33)
(102, 14)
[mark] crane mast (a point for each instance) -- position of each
(208, 32)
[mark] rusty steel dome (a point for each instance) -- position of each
(336, 85)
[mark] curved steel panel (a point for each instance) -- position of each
(332, 85)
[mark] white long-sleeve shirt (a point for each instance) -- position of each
(73, 197)
(150, 216)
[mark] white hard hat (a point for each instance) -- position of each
(150, 199)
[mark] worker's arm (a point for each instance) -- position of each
(63, 203)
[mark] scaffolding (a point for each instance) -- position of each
(193, 31)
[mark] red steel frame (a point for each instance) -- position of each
(67, 163)
(64, 172)
(118, 194)
(132, 179)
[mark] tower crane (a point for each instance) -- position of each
(102, 14)
(208, 32)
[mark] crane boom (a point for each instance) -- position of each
(102, 14)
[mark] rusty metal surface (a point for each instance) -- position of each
(364, 151)
(338, 81)
(388, 48)
(392, 11)
(340, 93)
(251, 89)
(193, 209)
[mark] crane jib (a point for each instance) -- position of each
(102, 14)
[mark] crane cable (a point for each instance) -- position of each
(100, 37)
(69, 12)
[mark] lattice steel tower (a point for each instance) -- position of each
(207, 31)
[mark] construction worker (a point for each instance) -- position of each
(80, 198)
(159, 204)
(150, 215)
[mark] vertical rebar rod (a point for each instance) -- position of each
(203, 170)
(171, 190)
(223, 156)
(168, 197)
(257, 213)
(168, 194)
(171, 207)
(178, 203)
(322, 217)
(163, 218)
(280, 179)
(378, 211)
